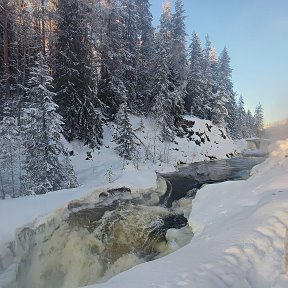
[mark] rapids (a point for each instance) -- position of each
(94, 243)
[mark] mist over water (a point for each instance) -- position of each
(277, 131)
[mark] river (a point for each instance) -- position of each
(96, 241)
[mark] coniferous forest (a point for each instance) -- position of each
(68, 66)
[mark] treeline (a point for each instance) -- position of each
(68, 65)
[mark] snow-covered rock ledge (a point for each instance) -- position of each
(239, 235)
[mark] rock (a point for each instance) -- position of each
(208, 127)
(114, 192)
(174, 221)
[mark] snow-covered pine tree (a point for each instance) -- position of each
(162, 108)
(219, 111)
(208, 99)
(71, 178)
(145, 53)
(259, 120)
(178, 50)
(241, 119)
(172, 31)
(232, 116)
(9, 143)
(165, 26)
(45, 160)
(2, 189)
(194, 102)
(130, 17)
(178, 60)
(225, 81)
(124, 136)
(2, 98)
(73, 80)
(214, 68)
(112, 91)
(250, 124)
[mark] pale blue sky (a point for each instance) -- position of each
(256, 35)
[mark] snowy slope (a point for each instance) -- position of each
(239, 230)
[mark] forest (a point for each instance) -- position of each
(69, 66)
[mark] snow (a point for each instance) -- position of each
(239, 226)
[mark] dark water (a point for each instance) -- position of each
(188, 179)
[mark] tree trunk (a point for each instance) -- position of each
(13, 195)
(5, 48)
(43, 27)
(2, 186)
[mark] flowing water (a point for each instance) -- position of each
(96, 241)
(190, 178)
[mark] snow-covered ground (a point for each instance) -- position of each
(239, 226)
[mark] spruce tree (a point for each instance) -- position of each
(9, 142)
(196, 81)
(165, 26)
(241, 119)
(208, 97)
(178, 50)
(145, 53)
(219, 111)
(214, 68)
(178, 62)
(45, 161)
(130, 16)
(112, 91)
(162, 108)
(226, 84)
(125, 137)
(232, 116)
(250, 124)
(73, 79)
(259, 120)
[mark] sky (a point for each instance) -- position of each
(255, 33)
